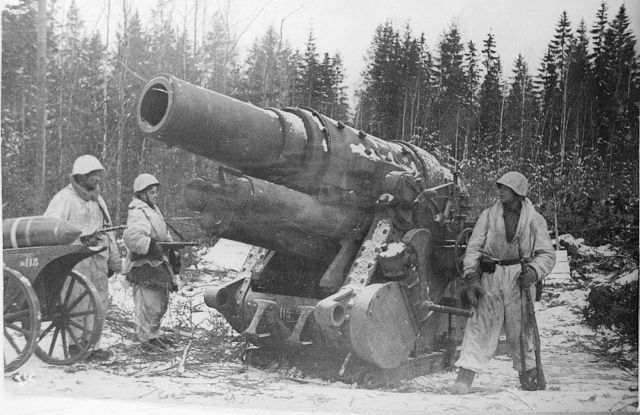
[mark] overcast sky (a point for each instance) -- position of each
(519, 26)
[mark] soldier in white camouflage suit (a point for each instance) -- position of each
(147, 266)
(504, 233)
(81, 204)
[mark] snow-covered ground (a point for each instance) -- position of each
(578, 379)
(224, 255)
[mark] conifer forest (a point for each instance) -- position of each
(570, 123)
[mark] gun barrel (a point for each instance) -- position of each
(261, 213)
(255, 200)
(111, 228)
(294, 147)
(178, 244)
(210, 124)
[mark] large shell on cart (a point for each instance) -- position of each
(37, 231)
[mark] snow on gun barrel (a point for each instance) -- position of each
(37, 231)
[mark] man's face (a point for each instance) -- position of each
(152, 194)
(91, 180)
(505, 194)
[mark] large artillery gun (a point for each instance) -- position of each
(356, 240)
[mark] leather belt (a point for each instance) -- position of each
(507, 262)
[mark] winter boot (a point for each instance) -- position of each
(463, 382)
(100, 354)
(74, 350)
(529, 380)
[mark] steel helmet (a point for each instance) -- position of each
(515, 181)
(143, 181)
(85, 164)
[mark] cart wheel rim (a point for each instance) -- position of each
(21, 314)
(73, 325)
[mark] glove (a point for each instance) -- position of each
(487, 264)
(90, 240)
(528, 277)
(155, 251)
(175, 260)
(114, 267)
(472, 292)
(174, 284)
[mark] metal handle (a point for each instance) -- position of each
(445, 309)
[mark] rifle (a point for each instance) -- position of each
(92, 238)
(177, 245)
(528, 320)
(171, 250)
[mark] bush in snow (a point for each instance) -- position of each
(615, 308)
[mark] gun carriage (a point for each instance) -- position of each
(47, 307)
(356, 240)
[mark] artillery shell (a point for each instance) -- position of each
(37, 231)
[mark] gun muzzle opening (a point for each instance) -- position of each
(330, 313)
(338, 315)
(217, 297)
(154, 105)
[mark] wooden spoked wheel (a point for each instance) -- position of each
(461, 245)
(72, 321)
(21, 313)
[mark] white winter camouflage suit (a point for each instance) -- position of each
(501, 303)
(150, 302)
(82, 209)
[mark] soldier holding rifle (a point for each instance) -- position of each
(149, 270)
(81, 204)
(508, 252)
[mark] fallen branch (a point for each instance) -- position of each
(184, 358)
(522, 400)
(304, 381)
(119, 320)
(344, 364)
(179, 332)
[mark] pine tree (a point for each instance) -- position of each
(18, 61)
(325, 97)
(261, 83)
(216, 64)
(381, 98)
(332, 91)
(561, 43)
(599, 29)
(598, 78)
(472, 81)
(490, 98)
(127, 152)
(162, 41)
(452, 91)
(340, 104)
(18, 107)
(578, 97)
(619, 48)
(520, 108)
(292, 62)
(560, 47)
(414, 78)
(76, 110)
(425, 93)
(548, 95)
(310, 82)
